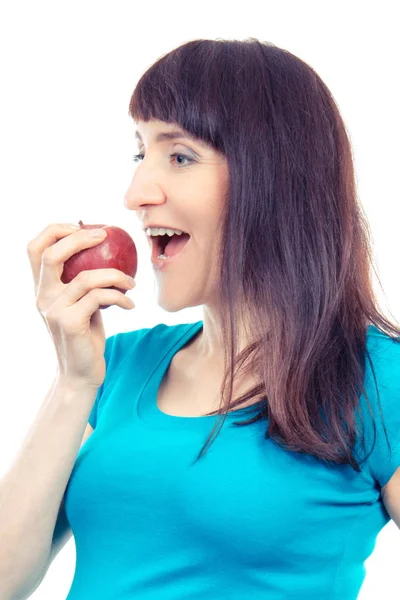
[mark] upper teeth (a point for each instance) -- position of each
(162, 231)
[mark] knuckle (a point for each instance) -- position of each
(31, 248)
(119, 275)
(33, 244)
(49, 314)
(40, 307)
(94, 293)
(82, 275)
(83, 278)
(44, 304)
(48, 257)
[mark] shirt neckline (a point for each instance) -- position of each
(150, 414)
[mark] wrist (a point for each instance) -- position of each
(74, 385)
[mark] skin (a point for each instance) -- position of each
(190, 197)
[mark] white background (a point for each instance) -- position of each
(67, 73)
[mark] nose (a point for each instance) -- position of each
(141, 193)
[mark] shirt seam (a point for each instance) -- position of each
(345, 549)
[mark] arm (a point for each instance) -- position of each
(32, 490)
(391, 497)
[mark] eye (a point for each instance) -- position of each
(137, 157)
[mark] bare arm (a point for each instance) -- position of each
(62, 531)
(32, 489)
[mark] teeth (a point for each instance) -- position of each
(152, 231)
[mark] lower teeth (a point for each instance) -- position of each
(162, 256)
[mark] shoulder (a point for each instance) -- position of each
(381, 415)
(383, 361)
(383, 346)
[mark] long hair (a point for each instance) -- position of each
(295, 241)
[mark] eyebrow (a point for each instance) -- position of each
(173, 135)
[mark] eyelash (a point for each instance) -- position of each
(136, 158)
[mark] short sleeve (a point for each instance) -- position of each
(107, 353)
(384, 459)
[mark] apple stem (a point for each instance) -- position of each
(80, 223)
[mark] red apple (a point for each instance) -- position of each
(117, 251)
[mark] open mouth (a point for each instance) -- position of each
(168, 245)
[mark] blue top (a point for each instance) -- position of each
(249, 520)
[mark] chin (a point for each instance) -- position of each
(172, 306)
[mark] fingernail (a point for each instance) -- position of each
(73, 226)
(98, 232)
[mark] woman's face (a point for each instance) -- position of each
(183, 194)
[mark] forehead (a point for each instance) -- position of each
(160, 132)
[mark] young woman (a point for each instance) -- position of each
(244, 158)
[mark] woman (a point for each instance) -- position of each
(290, 361)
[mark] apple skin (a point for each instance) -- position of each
(117, 251)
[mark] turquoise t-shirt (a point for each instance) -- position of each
(250, 520)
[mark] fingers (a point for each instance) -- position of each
(77, 318)
(95, 279)
(51, 249)
(55, 256)
(50, 235)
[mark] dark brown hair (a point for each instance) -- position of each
(295, 241)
